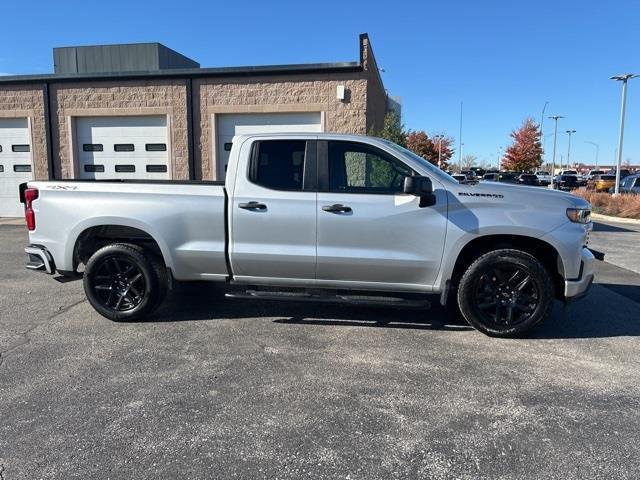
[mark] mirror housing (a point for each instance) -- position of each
(420, 187)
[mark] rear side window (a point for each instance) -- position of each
(278, 164)
(359, 168)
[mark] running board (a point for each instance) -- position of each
(365, 300)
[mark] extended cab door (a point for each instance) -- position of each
(371, 234)
(273, 211)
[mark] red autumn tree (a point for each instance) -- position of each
(525, 153)
(419, 143)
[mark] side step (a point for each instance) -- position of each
(343, 298)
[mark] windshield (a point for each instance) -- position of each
(430, 167)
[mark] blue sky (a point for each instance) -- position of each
(503, 59)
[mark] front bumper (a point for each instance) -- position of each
(40, 259)
(579, 287)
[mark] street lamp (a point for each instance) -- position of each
(597, 150)
(439, 137)
(624, 79)
(555, 138)
(570, 132)
(542, 123)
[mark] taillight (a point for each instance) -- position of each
(30, 194)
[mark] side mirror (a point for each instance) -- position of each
(420, 187)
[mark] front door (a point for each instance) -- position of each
(371, 234)
(273, 212)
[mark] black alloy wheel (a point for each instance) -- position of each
(119, 283)
(505, 293)
(125, 282)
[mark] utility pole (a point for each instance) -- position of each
(555, 141)
(460, 141)
(624, 79)
(569, 132)
(440, 137)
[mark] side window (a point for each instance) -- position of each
(358, 168)
(278, 164)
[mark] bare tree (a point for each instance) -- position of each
(468, 161)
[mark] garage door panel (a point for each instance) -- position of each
(230, 125)
(130, 147)
(15, 166)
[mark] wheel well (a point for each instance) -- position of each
(540, 249)
(94, 238)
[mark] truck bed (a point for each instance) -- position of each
(186, 219)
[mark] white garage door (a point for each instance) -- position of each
(122, 147)
(15, 164)
(230, 125)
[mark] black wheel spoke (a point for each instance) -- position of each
(119, 283)
(506, 295)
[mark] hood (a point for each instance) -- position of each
(540, 197)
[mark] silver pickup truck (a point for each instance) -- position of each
(320, 217)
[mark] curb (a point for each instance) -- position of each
(12, 221)
(598, 216)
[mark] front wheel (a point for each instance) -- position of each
(124, 282)
(505, 293)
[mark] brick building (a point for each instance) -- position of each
(145, 111)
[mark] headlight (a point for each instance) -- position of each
(579, 215)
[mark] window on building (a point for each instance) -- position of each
(92, 147)
(1, 168)
(22, 168)
(20, 148)
(0, 148)
(156, 168)
(123, 147)
(125, 168)
(94, 168)
(358, 168)
(155, 147)
(278, 164)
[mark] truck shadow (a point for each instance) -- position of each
(205, 301)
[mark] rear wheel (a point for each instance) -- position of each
(505, 293)
(124, 282)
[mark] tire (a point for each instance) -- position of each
(124, 282)
(505, 293)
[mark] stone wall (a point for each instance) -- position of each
(28, 102)
(274, 94)
(158, 97)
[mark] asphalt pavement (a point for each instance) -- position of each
(217, 388)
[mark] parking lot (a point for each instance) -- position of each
(217, 388)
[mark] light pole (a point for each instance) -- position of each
(624, 79)
(440, 137)
(499, 156)
(460, 140)
(541, 124)
(597, 150)
(569, 132)
(555, 140)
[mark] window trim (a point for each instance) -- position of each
(309, 179)
(126, 150)
(155, 147)
(323, 168)
(92, 147)
(19, 148)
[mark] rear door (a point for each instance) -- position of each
(273, 212)
(371, 234)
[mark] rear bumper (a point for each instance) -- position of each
(40, 259)
(579, 287)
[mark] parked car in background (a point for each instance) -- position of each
(594, 172)
(460, 177)
(630, 184)
(543, 177)
(528, 179)
(624, 172)
(470, 174)
(601, 183)
(491, 177)
(567, 182)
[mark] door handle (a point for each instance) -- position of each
(337, 208)
(253, 206)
